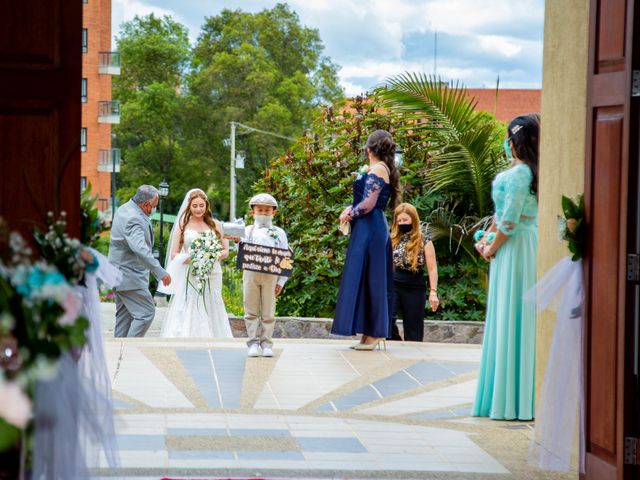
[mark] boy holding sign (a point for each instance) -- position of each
(261, 289)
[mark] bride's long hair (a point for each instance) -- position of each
(208, 216)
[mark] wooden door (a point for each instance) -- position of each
(40, 86)
(612, 154)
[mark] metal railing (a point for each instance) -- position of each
(109, 160)
(109, 111)
(109, 63)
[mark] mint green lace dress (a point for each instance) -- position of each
(507, 369)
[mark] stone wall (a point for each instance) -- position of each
(439, 331)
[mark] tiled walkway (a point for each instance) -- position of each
(317, 409)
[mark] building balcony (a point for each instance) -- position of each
(109, 63)
(109, 160)
(104, 209)
(109, 112)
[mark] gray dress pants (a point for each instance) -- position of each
(134, 313)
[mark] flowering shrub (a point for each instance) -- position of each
(313, 184)
(107, 296)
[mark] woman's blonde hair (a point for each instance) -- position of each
(208, 216)
(416, 238)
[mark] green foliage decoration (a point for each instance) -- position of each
(572, 227)
(91, 223)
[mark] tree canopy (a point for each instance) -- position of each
(261, 69)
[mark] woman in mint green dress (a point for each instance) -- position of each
(507, 369)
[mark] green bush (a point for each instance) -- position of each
(313, 184)
(232, 286)
(102, 243)
(461, 289)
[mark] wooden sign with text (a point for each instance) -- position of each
(263, 259)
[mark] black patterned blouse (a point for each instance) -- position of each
(400, 257)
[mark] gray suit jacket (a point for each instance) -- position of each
(130, 248)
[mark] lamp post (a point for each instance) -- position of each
(113, 178)
(397, 157)
(163, 189)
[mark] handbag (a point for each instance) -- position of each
(345, 228)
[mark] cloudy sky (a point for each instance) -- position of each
(477, 40)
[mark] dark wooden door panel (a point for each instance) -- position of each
(603, 338)
(40, 73)
(611, 35)
(40, 50)
(606, 202)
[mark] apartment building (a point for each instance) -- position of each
(100, 161)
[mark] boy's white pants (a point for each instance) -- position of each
(259, 298)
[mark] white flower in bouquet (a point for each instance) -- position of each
(204, 251)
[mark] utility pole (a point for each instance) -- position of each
(232, 144)
(435, 53)
(232, 186)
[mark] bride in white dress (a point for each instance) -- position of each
(192, 314)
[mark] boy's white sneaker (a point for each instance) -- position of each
(267, 352)
(254, 350)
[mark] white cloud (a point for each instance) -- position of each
(507, 47)
(126, 10)
(367, 38)
(473, 16)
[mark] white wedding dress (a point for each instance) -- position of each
(192, 314)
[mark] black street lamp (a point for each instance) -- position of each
(397, 157)
(163, 189)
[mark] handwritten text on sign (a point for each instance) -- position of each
(270, 260)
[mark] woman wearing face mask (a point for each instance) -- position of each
(507, 369)
(193, 313)
(412, 252)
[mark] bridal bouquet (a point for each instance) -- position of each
(204, 251)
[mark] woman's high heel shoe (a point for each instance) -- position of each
(371, 346)
(362, 339)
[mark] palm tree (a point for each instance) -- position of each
(461, 147)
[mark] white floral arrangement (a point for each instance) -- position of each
(40, 319)
(204, 251)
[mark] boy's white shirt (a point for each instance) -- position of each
(260, 235)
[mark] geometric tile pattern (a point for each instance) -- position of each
(316, 408)
(217, 374)
(409, 378)
(343, 444)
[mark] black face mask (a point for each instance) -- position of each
(405, 227)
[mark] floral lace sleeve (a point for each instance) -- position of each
(372, 187)
(516, 192)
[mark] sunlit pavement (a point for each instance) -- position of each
(202, 409)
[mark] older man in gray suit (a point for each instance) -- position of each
(130, 250)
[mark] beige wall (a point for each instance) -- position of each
(564, 114)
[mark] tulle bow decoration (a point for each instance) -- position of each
(561, 403)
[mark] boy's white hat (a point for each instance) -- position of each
(263, 199)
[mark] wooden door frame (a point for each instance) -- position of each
(632, 290)
(600, 86)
